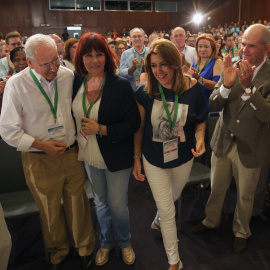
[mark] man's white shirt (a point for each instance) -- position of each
(26, 114)
(190, 54)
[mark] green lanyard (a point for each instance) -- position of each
(171, 123)
(87, 112)
(203, 66)
(53, 109)
(14, 71)
(141, 59)
(185, 49)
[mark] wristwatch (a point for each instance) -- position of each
(249, 90)
(200, 81)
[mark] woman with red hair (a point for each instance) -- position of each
(208, 66)
(107, 117)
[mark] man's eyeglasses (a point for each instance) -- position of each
(139, 36)
(48, 65)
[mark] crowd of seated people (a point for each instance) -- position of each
(182, 82)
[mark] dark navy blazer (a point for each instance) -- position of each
(119, 112)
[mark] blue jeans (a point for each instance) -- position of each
(111, 199)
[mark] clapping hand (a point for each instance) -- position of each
(193, 72)
(245, 73)
(135, 62)
(10, 64)
(229, 71)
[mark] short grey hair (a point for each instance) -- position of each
(35, 41)
(136, 29)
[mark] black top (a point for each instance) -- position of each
(119, 112)
(191, 110)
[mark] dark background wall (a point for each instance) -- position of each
(26, 16)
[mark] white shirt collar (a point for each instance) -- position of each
(256, 70)
(41, 79)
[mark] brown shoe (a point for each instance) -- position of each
(199, 228)
(128, 255)
(102, 256)
(239, 244)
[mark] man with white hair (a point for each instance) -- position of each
(36, 119)
(241, 140)
(132, 60)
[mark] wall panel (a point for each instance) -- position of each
(27, 15)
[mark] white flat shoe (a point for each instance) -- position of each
(154, 226)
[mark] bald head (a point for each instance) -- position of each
(255, 44)
(59, 43)
(260, 30)
(179, 28)
(152, 37)
(178, 37)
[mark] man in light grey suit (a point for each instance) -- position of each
(241, 140)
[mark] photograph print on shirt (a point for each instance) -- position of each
(160, 123)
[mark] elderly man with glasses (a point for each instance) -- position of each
(132, 60)
(36, 119)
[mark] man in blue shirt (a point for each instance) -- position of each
(3, 50)
(132, 60)
(13, 40)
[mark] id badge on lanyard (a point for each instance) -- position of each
(137, 78)
(170, 147)
(170, 150)
(57, 133)
(82, 138)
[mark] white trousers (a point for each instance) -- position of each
(5, 242)
(166, 186)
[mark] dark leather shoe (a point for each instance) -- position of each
(239, 244)
(55, 266)
(199, 228)
(87, 262)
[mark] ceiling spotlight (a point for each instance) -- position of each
(197, 18)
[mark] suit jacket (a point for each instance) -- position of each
(247, 120)
(119, 112)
